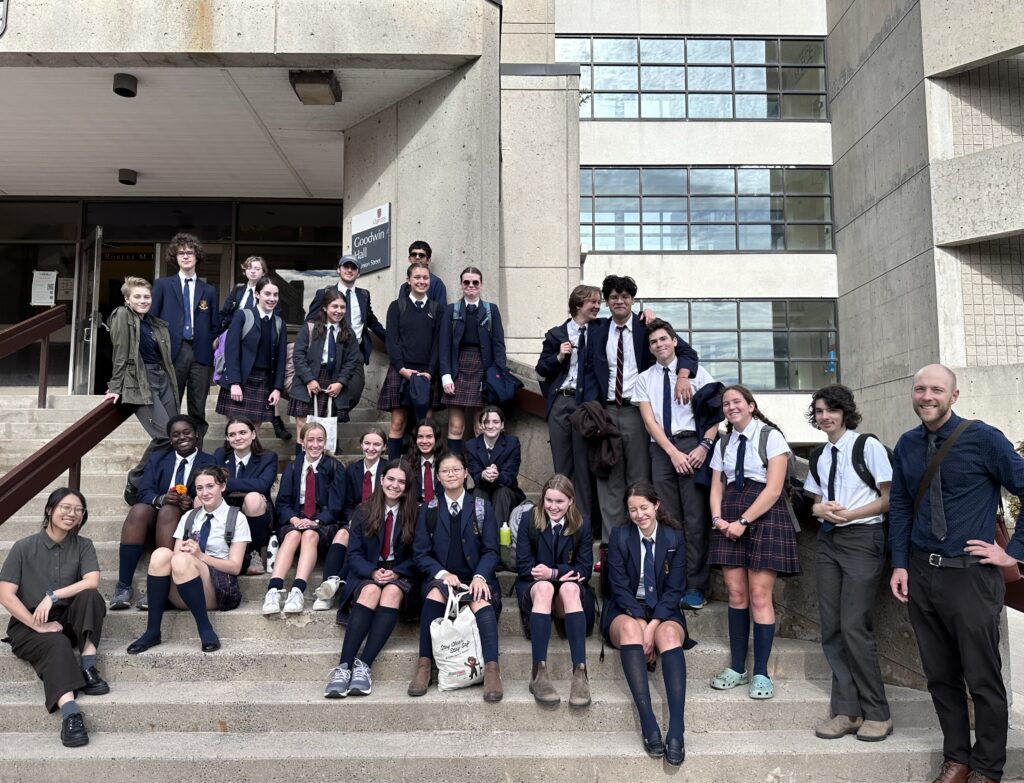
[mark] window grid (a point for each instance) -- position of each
(705, 209)
(698, 78)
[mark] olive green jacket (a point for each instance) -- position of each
(129, 378)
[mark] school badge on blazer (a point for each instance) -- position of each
(204, 305)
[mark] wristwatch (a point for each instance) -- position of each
(714, 522)
(744, 521)
(52, 596)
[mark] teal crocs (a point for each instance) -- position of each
(728, 678)
(761, 687)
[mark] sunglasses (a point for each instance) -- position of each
(417, 254)
(471, 283)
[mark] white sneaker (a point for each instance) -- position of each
(326, 592)
(295, 602)
(272, 603)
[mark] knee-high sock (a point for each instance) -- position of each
(157, 590)
(634, 667)
(128, 556)
(455, 445)
(358, 626)
(576, 630)
(540, 635)
(384, 623)
(487, 624)
(673, 669)
(739, 638)
(192, 594)
(394, 448)
(259, 527)
(432, 610)
(764, 635)
(334, 561)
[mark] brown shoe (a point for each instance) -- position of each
(492, 682)
(420, 678)
(579, 691)
(541, 687)
(977, 777)
(837, 727)
(874, 730)
(952, 772)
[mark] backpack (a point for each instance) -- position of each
(514, 520)
(229, 526)
(860, 465)
(478, 517)
(792, 489)
(289, 363)
(248, 322)
(457, 308)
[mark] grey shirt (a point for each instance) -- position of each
(38, 563)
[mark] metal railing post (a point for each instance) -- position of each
(44, 367)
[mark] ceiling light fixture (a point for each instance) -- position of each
(127, 176)
(126, 85)
(316, 88)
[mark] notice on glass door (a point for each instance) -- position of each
(44, 288)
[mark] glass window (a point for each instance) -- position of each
(809, 237)
(756, 79)
(803, 52)
(586, 80)
(586, 210)
(665, 238)
(40, 220)
(675, 312)
(717, 209)
(807, 181)
(811, 345)
(159, 221)
(712, 237)
(667, 181)
(803, 79)
(765, 375)
(300, 270)
(767, 315)
(803, 107)
(572, 50)
(754, 208)
(758, 107)
(619, 237)
(616, 210)
(615, 50)
(747, 51)
(586, 181)
(664, 210)
(708, 79)
(807, 208)
(811, 375)
(810, 314)
(614, 77)
(663, 105)
(617, 181)
(701, 50)
(714, 345)
(762, 237)
(318, 222)
(759, 180)
(709, 107)
(662, 77)
(764, 345)
(713, 315)
(609, 105)
(724, 372)
(712, 181)
(661, 50)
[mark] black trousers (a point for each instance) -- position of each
(52, 654)
(503, 499)
(848, 562)
(688, 504)
(569, 451)
(955, 613)
(194, 378)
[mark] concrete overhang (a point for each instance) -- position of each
(958, 35)
(978, 197)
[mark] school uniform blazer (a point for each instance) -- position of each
(370, 321)
(669, 568)
(552, 370)
(556, 556)
(364, 551)
(437, 292)
(232, 303)
(240, 353)
(159, 471)
(330, 492)
(169, 306)
(599, 332)
(396, 353)
(306, 356)
(707, 410)
(258, 475)
(492, 340)
(481, 552)
(506, 454)
(354, 486)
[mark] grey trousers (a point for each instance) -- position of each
(849, 562)
(154, 417)
(194, 377)
(635, 465)
(688, 503)
(569, 450)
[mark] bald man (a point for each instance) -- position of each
(945, 564)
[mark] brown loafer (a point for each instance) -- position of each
(874, 730)
(579, 690)
(838, 726)
(952, 772)
(420, 678)
(541, 687)
(492, 682)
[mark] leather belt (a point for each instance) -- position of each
(566, 392)
(684, 434)
(940, 561)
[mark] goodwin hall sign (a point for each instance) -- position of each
(371, 239)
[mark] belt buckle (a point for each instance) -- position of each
(935, 560)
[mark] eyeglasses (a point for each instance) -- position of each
(187, 253)
(470, 283)
(451, 471)
(417, 254)
(77, 511)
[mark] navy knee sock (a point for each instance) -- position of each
(394, 448)
(540, 635)
(194, 597)
(673, 669)
(384, 623)
(739, 637)
(576, 630)
(87, 661)
(487, 624)
(634, 667)
(158, 588)
(335, 560)
(258, 529)
(300, 584)
(455, 445)
(68, 708)
(764, 635)
(358, 626)
(432, 610)
(277, 583)
(128, 556)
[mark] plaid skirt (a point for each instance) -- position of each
(391, 392)
(769, 543)
(402, 583)
(469, 380)
(225, 588)
(325, 534)
(254, 398)
(300, 408)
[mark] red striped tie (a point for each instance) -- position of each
(620, 357)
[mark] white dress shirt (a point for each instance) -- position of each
(629, 368)
(752, 467)
(851, 492)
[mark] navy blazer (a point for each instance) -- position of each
(364, 551)
(598, 373)
(506, 454)
(482, 553)
(159, 471)
(307, 354)
(669, 567)
(553, 555)
(552, 370)
(370, 321)
(437, 292)
(258, 475)
(169, 306)
(492, 340)
(354, 485)
(330, 491)
(232, 303)
(240, 353)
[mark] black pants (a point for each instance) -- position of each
(955, 613)
(194, 378)
(503, 499)
(52, 654)
(848, 562)
(687, 503)
(569, 451)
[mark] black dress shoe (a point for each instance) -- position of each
(94, 684)
(211, 646)
(675, 752)
(141, 645)
(654, 746)
(72, 731)
(280, 430)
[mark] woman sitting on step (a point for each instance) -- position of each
(423, 455)
(381, 577)
(555, 556)
(494, 458)
(201, 573)
(647, 571)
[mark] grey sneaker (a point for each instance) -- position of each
(143, 602)
(338, 686)
(122, 597)
(362, 681)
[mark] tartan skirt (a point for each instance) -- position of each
(469, 380)
(254, 404)
(300, 408)
(226, 589)
(770, 542)
(325, 534)
(391, 392)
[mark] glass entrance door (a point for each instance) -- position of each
(86, 316)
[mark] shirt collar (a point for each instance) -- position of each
(653, 536)
(945, 430)
(415, 300)
(49, 543)
(750, 430)
(183, 278)
(844, 442)
(628, 326)
(461, 500)
(368, 467)
(393, 509)
(307, 464)
(189, 458)
(671, 366)
(243, 460)
(219, 512)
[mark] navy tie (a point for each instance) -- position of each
(741, 455)
(650, 582)
(348, 306)
(581, 353)
(666, 404)
(826, 527)
(187, 304)
(556, 531)
(179, 474)
(204, 532)
(249, 301)
(470, 308)
(419, 305)
(332, 349)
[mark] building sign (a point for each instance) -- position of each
(3, 16)
(371, 238)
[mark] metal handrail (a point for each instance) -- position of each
(38, 327)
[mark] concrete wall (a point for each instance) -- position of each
(960, 34)
(987, 106)
(528, 31)
(993, 292)
(737, 17)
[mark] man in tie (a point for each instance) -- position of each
(945, 565)
(849, 479)
(189, 306)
